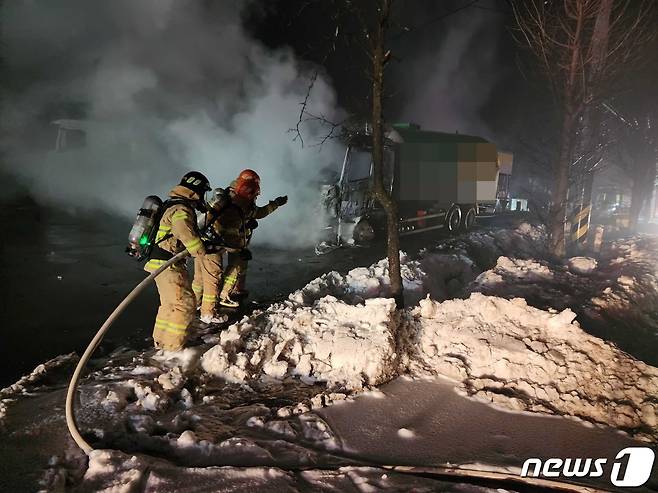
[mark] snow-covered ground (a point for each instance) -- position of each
(615, 297)
(299, 384)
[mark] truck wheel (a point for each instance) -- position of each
(363, 232)
(453, 219)
(468, 220)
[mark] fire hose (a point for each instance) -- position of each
(73, 384)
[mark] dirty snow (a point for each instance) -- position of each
(443, 272)
(36, 376)
(361, 283)
(32, 381)
(329, 341)
(615, 297)
(502, 350)
(274, 372)
(523, 358)
(582, 265)
(111, 470)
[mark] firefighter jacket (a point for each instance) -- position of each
(232, 222)
(177, 230)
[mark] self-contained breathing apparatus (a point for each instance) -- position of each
(142, 236)
(219, 200)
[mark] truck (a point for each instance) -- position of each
(439, 181)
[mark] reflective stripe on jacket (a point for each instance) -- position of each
(179, 221)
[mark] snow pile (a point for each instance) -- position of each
(484, 247)
(629, 293)
(582, 265)
(614, 296)
(29, 383)
(514, 270)
(455, 263)
(331, 341)
(144, 384)
(38, 375)
(361, 283)
(111, 470)
(502, 350)
(528, 359)
(444, 272)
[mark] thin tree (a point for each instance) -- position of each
(583, 48)
(380, 56)
(636, 152)
(366, 24)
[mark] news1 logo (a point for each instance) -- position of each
(631, 467)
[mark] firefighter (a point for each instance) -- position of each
(235, 225)
(177, 231)
(208, 268)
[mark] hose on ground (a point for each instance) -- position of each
(73, 384)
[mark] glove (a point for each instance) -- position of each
(246, 255)
(279, 201)
(252, 224)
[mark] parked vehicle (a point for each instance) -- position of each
(439, 180)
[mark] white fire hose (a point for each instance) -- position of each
(73, 384)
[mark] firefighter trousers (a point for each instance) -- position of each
(177, 308)
(207, 281)
(235, 275)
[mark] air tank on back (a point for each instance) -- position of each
(141, 232)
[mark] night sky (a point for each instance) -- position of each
(487, 64)
(455, 66)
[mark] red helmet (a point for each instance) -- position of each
(247, 184)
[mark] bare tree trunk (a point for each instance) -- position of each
(637, 202)
(589, 147)
(557, 213)
(557, 244)
(381, 194)
(641, 189)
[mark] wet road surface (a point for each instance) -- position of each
(64, 273)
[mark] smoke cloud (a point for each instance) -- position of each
(164, 87)
(449, 69)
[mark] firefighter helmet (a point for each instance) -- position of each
(197, 182)
(247, 184)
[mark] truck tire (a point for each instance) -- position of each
(468, 219)
(453, 219)
(363, 232)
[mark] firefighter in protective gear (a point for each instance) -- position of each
(208, 268)
(177, 231)
(235, 225)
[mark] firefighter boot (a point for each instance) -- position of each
(233, 272)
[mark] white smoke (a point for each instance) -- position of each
(168, 86)
(449, 74)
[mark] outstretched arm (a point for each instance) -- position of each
(265, 211)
